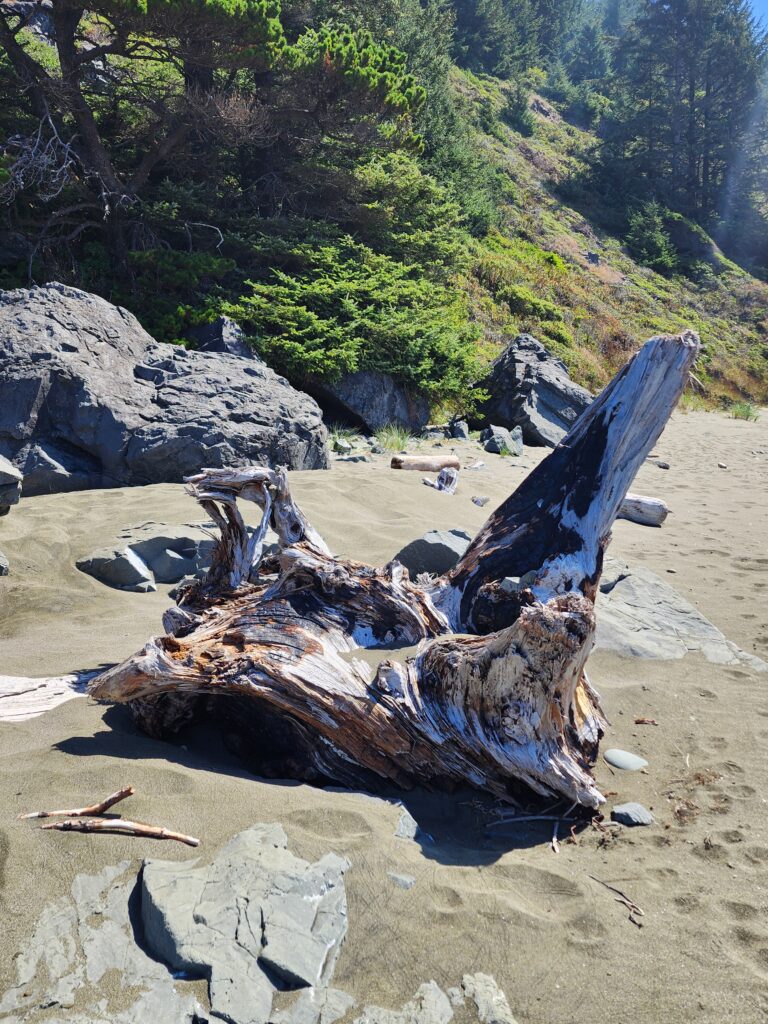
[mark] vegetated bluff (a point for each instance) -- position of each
(88, 399)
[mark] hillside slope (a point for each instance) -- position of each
(552, 269)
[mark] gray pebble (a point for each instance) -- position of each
(402, 881)
(625, 760)
(632, 814)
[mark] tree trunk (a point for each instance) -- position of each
(495, 693)
(637, 508)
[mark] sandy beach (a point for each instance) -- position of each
(495, 900)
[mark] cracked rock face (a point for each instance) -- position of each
(259, 918)
(88, 399)
(77, 940)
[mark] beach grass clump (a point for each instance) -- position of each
(392, 437)
(744, 411)
(338, 432)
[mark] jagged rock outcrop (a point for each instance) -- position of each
(372, 400)
(88, 399)
(530, 388)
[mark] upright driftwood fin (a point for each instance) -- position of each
(496, 692)
(558, 521)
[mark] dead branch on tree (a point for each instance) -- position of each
(496, 692)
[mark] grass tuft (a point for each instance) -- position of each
(744, 411)
(393, 437)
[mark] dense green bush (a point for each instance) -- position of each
(522, 302)
(344, 307)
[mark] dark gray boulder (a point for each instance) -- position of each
(530, 388)
(223, 335)
(89, 399)
(435, 553)
(500, 441)
(372, 400)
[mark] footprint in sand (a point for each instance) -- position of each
(753, 945)
(344, 827)
(741, 911)
(757, 856)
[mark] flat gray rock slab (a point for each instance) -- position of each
(639, 615)
(256, 918)
(435, 553)
(632, 814)
(151, 553)
(78, 939)
(625, 760)
(402, 881)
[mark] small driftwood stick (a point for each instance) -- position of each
(638, 508)
(425, 463)
(120, 826)
(447, 481)
(84, 812)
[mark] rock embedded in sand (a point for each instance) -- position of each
(632, 814)
(430, 1005)
(491, 1003)
(88, 399)
(402, 881)
(436, 552)
(257, 917)
(500, 441)
(625, 760)
(121, 568)
(641, 616)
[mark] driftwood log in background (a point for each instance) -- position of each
(638, 508)
(494, 695)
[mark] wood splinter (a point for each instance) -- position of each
(120, 826)
(94, 811)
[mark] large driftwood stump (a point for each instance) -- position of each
(495, 693)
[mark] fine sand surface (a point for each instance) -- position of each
(498, 901)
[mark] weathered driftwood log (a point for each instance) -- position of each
(425, 463)
(495, 694)
(638, 508)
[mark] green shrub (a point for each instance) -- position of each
(340, 307)
(523, 302)
(648, 240)
(559, 333)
